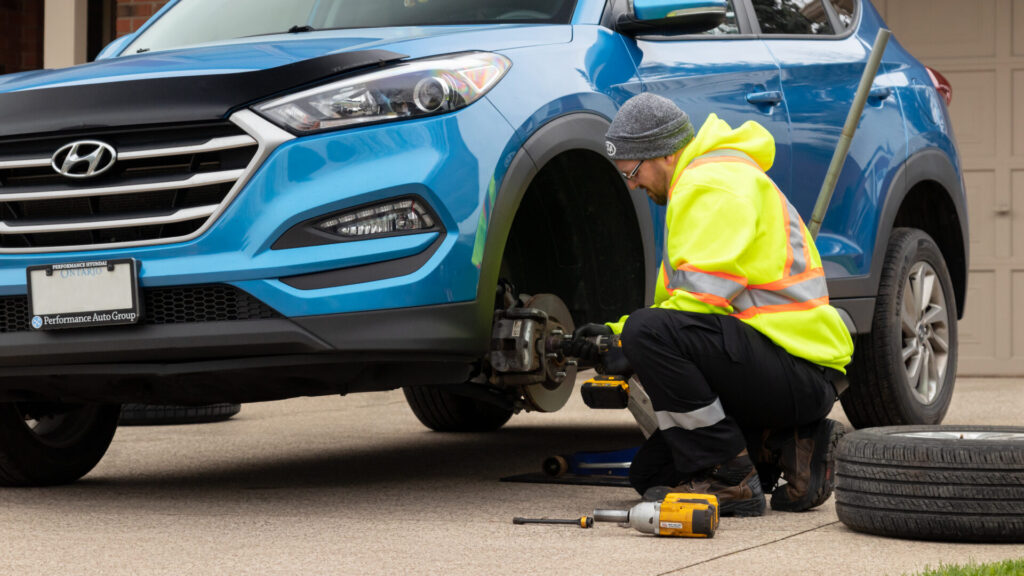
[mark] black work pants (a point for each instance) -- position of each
(715, 385)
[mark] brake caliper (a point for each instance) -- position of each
(526, 352)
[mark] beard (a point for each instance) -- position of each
(659, 198)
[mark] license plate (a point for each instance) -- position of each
(81, 294)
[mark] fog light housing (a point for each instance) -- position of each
(384, 219)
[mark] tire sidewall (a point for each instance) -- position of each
(916, 246)
(898, 436)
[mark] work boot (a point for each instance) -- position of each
(735, 483)
(806, 456)
(766, 461)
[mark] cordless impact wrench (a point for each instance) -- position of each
(615, 385)
(679, 514)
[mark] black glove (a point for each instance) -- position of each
(582, 345)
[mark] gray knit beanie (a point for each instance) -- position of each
(648, 126)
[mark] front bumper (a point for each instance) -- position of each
(245, 360)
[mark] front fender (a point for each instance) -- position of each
(574, 131)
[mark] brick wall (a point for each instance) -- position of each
(21, 35)
(132, 14)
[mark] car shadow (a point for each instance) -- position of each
(432, 466)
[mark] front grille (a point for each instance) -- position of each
(166, 184)
(213, 303)
(175, 305)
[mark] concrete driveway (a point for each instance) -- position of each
(357, 486)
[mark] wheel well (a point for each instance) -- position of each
(576, 235)
(928, 207)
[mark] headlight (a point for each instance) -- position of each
(407, 90)
(388, 218)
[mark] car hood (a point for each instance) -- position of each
(207, 83)
(265, 52)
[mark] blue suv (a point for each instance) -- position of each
(252, 200)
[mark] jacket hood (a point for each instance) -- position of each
(751, 138)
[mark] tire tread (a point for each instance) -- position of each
(443, 411)
(931, 488)
(154, 415)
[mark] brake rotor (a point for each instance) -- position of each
(559, 374)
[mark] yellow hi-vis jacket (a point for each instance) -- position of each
(735, 245)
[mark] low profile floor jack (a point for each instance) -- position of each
(608, 391)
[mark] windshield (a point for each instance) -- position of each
(199, 21)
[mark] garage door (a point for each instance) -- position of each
(979, 47)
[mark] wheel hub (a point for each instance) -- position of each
(56, 425)
(559, 375)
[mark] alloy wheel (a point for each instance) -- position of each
(54, 425)
(924, 322)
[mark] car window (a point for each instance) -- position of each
(792, 17)
(846, 10)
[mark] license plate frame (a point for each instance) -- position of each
(83, 294)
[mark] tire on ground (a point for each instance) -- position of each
(156, 415)
(443, 411)
(52, 444)
(880, 392)
(953, 483)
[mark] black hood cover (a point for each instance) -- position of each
(200, 98)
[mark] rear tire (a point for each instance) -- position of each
(443, 411)
(954, 483)
(50, 444)
(155, 415)
(904, 370)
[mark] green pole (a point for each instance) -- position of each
(852, 119)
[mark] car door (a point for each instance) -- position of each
(727, 71)
(822, 48)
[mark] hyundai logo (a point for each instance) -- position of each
(84, 159)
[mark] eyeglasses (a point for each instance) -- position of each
(632, 173)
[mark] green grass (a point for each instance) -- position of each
(1004, 568)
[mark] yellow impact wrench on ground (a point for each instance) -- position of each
(679, 514)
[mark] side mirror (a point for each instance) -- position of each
(688, 16)
(114, 48)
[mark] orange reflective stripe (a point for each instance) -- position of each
(698, 281)
(674, 182)
(791, 280)
(724, 275)
(775, 309)
(789, 241)
(809, 289)
(715, 159)
(711, 299)
(720, 155)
